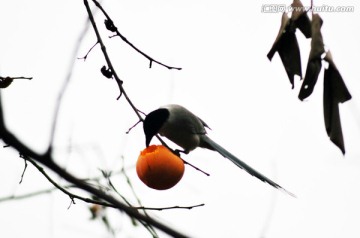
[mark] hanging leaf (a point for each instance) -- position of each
(287, 46)
(300, 18)
(335, 92)
(314, 63)
(284, 22)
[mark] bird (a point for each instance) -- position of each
(188, 131)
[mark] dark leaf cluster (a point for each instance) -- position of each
(335, 90)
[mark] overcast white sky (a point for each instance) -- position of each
(226, 80)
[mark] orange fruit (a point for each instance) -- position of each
(159, 168)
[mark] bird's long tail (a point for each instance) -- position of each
(210, 144)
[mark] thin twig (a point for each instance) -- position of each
(117, 79)
(132, 127)
(147, 226)
(28, 78)
(50, 190)
(142, 112)
(46, 159)
(62, 189)
(33, 194)
(108, 61)
(86, 55)
(23, 173)
(173, 207)
(129, 43)
(7, 81)
(106, 56)
(65, 84)
(198, 169)
(177, 154)
(129, 181)
(72, 201)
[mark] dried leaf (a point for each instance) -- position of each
(335, 92)
(311, 75)
(287, 46)
(300, 18)
(314, 62)
(317, 43)
(284, 22)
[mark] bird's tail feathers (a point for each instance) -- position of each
(210, 144)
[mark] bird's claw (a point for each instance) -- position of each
(177, 152)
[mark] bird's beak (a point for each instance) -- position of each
(148, 140)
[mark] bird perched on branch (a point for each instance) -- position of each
(188, 131)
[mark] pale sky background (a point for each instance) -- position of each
(226, 80)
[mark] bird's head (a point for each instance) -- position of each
(153, 123)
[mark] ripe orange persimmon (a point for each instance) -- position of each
(159, 168)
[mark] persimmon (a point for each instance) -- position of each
(159, 168)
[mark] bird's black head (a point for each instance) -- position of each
(153, 122)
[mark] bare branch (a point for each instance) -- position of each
(108, 61)
(173, 207)
(47, 160)
(111, 27)
(119, 82)
(33, 194)
(6, 81)
(72, 201)
(4, 78)
(50, 190)
(132, 127)
(198, 169)
(146, 225)
(71, 195)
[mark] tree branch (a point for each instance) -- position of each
(173, 207)
(47, 160)
(117, 79)
(23, 173)
(6, 81)
(110, 26)
(62, 189)
(21, 77)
